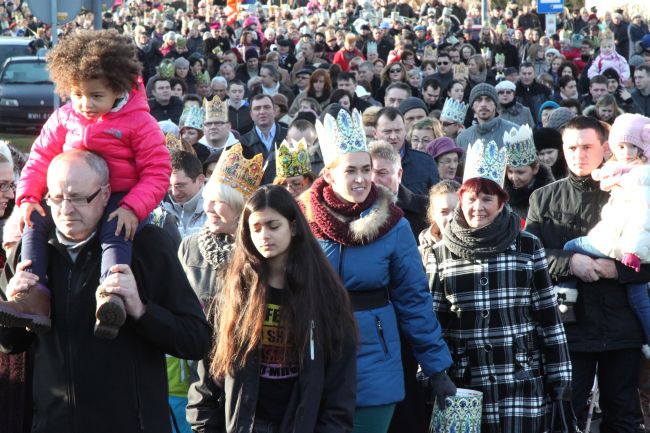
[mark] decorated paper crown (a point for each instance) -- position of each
(487, 161)
(203, 78)
(292, 161)
(565, 35)
(486, 53)
(342, 135)
(239, 173)
(520, 146)
(215, 110)
(499, 58)
(181, 42)
(166, 69)
(454, 111)
(173, 143)
(429, 52)
(192, 117)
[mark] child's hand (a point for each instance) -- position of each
(127, 220)
(22, 279)
(26, 209)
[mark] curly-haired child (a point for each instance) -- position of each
(107, 114)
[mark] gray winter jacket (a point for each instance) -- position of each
(491, 130)
(517, 114)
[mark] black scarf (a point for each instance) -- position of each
(470, 243)
(215, 248)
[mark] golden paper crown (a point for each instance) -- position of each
(294, 161)
(173, 142)
(234, 170)
(215, 110)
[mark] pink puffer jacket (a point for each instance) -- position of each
(130, 141)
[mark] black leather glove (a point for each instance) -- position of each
(563, 419)
(441, 387)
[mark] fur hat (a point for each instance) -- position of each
(547, 138)
(633, 129)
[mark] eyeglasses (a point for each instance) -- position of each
(395, 70)
(6, 186)
(74, 201)
(443, 63)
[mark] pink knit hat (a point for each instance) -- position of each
(633, 129)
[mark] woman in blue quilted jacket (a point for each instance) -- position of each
(371, 246)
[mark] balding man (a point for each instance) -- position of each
(81, 382)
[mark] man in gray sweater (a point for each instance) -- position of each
(483, 100)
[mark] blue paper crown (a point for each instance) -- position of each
(520, 146)
(342, 135)
(454, 111)
(192, 117)
(487, 161)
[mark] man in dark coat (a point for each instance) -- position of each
(530, 93)
(420, 171)
(81, 382)
(410, 414)
(164, 106)
(267, 133)
(605, 336)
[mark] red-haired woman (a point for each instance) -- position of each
(319, 88)
(493, 296)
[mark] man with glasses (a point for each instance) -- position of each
(509, 108)
(445, 74)
(72, 370)
(216, 126)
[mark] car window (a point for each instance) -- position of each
(7, 51)
(25, 73)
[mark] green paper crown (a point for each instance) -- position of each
(292, 162)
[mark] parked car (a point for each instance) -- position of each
(26, 93)
(11, 46)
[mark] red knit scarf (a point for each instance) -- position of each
(331, 216)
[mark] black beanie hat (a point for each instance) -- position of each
(547, 138)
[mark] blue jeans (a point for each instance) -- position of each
(178, 406)
(637, 294)
(115, 250)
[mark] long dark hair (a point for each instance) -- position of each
(314, 291)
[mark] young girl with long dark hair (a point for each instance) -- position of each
(285, 340)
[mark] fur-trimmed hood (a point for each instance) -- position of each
(383, 214)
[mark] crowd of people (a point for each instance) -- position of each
(328, 217)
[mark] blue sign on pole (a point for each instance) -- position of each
(550, 6)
